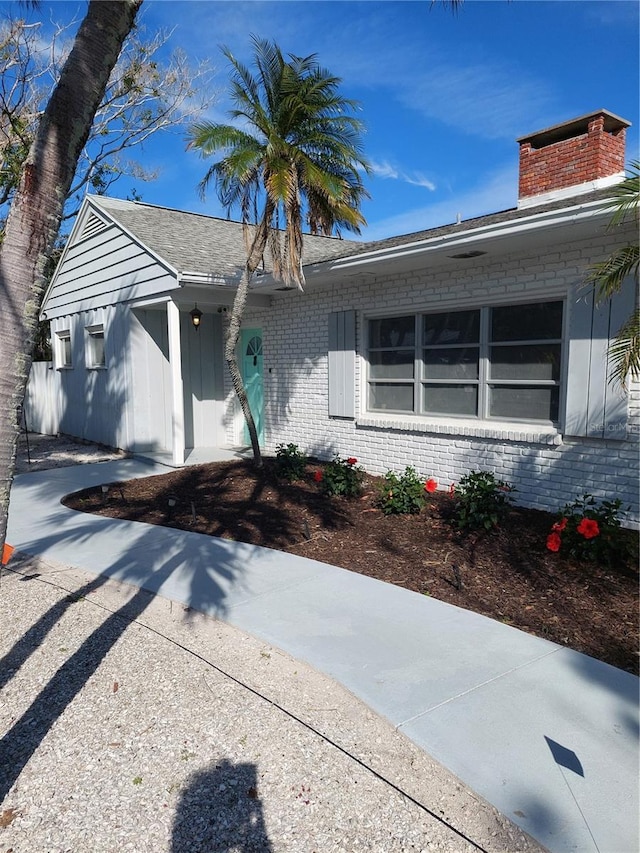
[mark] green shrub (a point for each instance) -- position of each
(342, 477)
(290, 462)
(590, 531)
(480, 501)
(402, 494)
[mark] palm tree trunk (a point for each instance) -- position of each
(233, 332)
(35, 214)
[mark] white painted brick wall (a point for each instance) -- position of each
(546, 475)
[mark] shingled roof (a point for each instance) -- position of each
(510, 215)
(194, 242)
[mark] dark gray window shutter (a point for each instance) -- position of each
(595, 407)
(342, 364)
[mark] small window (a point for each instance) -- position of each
(63, 349)
(95, 346)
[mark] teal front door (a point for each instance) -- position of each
(251, 348)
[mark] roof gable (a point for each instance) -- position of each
(204, 245)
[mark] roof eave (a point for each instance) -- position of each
(533, 224)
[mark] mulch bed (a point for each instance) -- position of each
(507, 574)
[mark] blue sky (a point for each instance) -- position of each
(444, 96)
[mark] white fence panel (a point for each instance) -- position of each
(42, 401)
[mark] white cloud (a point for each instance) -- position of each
(614, 13)
(419, 180)
(480, 94)
(498, 192)
(385, 170)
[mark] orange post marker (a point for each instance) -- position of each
(7, 551)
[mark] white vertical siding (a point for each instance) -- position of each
(147, 356)
(203, 382)
(42, 399)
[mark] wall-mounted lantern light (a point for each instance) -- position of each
(196, 316)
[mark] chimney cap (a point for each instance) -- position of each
(574, 127)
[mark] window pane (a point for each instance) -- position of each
(63, 350)
(526, 362)
(538, 321)
(455, 327)
(392, 332)
(450, 399)
(451, 363)
(391, 364)
(527, 403)
(96, 343)
(386, 397)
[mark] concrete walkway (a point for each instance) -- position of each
(547, 735)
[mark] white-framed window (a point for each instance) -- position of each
(496, 362)
(95, 346)
(63, 353)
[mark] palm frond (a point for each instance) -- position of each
(624, 199)
(299, 153)
(624, 352)
(609, 275)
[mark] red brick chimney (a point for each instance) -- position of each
(577, 156)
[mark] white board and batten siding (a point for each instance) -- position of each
(42, 401)
(123, 404)
(149, 377)
(203, 381)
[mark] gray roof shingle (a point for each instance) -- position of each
(510, 215)
(194, 242)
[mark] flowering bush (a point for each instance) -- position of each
(405, 493)
(480, 500)
(290, 462)
(341, 477)
(589, 531)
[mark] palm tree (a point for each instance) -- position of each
(36, 210)
(292, 157)
(609, 276)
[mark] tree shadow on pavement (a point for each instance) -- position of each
(220, 811)
(148, 565)
(39, 631)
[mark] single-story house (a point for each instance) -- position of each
(475, 345)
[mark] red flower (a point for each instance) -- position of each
(553, 542)
(588, 527)
(431, 485)
(559, 526)
(351, 460)
(317, 476)
(452, 489)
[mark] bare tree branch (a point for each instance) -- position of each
(145, 95)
